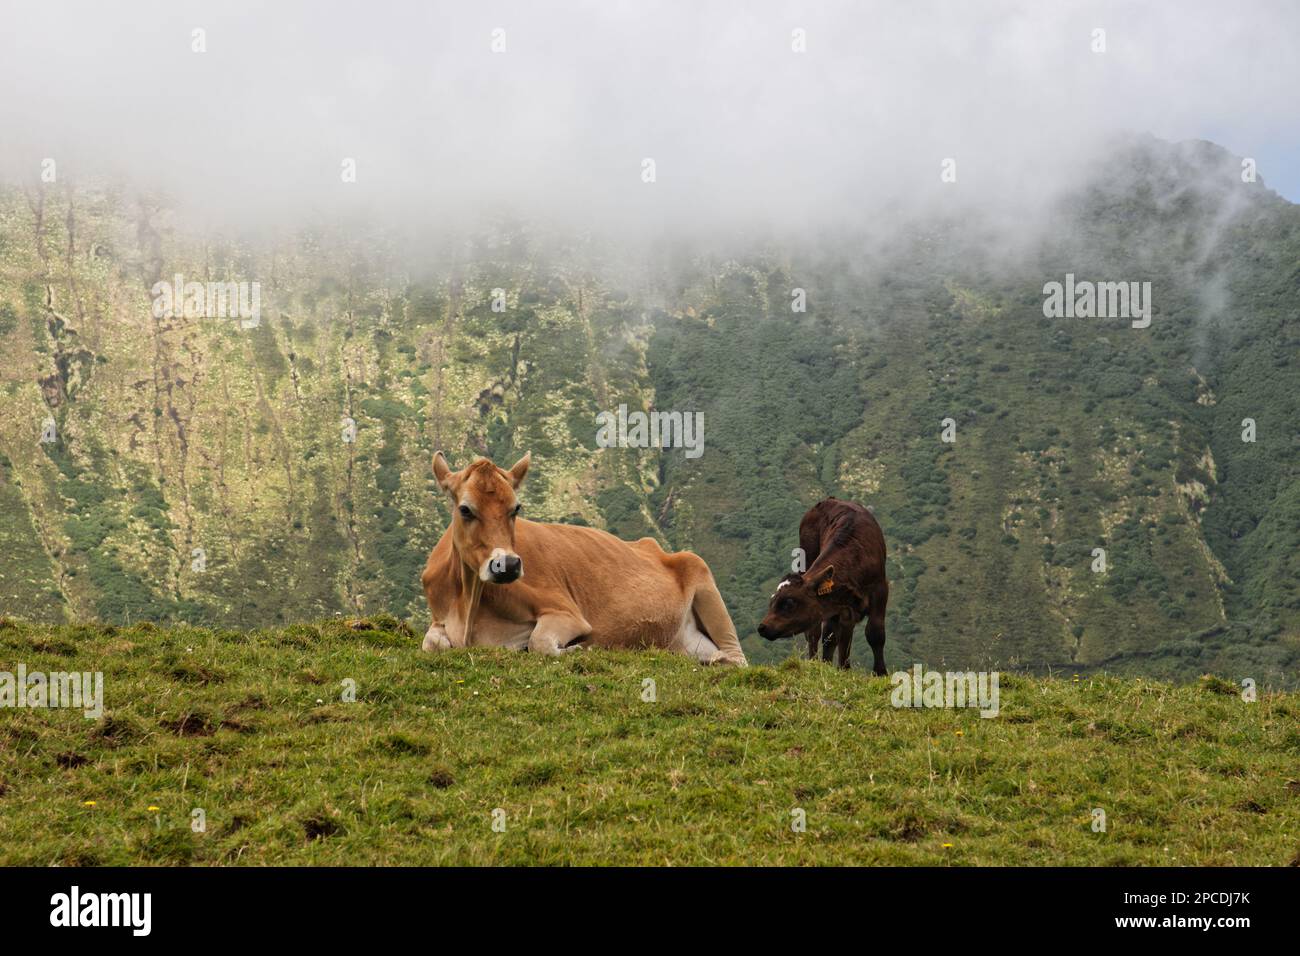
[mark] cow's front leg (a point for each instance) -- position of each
(557, 633)
(435, 638)
(814, 637)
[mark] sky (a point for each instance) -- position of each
(455, 109)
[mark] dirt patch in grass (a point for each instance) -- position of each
(192, 724)
(323, 824)
(441, 777)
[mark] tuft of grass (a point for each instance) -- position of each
(536, 774)
(404, 744)
(1217, 685)
(192, 672)
(433, 750)
(171, 846)
(764, 678)
(114, 730)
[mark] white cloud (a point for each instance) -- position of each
(741, 127)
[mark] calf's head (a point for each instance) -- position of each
(483, 511)
(795, 608)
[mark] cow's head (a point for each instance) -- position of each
(483, 511)
(794, 608)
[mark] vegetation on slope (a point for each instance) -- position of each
(1072, 434)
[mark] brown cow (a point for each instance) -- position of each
(844, 581)
(582, 586)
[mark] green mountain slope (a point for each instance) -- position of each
(184, 435)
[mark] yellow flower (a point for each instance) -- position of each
(961, 733)
(947, 846)
(153, 809)
(89, 803)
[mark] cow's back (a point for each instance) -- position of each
(629, 592)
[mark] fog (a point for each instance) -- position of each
(743, 130)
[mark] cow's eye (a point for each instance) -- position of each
(466, 513)
(785, 605)
(515, 513)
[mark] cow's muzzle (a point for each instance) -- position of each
(502, 568)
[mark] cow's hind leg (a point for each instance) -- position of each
(711, 612)
(693, 642)
(876, 625)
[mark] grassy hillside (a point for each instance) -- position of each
(250, 727)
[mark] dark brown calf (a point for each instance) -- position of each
(844, 582)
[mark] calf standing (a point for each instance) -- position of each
(844, 582)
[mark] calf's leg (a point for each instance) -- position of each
(844, 640)
(876, 625)
(829, 642)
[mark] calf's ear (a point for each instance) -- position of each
(441, 470)
(520, 468)
(824, 580)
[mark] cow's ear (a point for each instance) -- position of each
(441, 471)
(520, 469)
(824, 579)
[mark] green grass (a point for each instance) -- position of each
(251, 728)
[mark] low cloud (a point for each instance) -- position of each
(744, 131)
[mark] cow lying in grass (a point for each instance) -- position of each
(496, 579)
(844, 581)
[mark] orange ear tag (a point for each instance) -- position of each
(826, 586)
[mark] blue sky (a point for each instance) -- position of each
(1278, 160)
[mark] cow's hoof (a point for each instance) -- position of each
(720, 659)
(435, 639)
